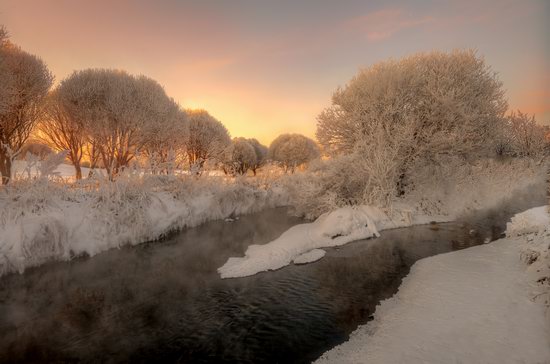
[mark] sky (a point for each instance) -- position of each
(269, 67)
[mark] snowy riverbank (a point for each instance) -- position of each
(479, 305)
(42, 221)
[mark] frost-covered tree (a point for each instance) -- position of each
(207, 139)
(120, 112)
(6, 80)
(416, 107)
(240, 156)
(261, 154)
(62, 132)
(36, 148)
(167, 133)
(25, 83)
(292, 150)
(526, 137)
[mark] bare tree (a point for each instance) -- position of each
(292, 150)
(422, 105)
(207, 139)
(59, 130)
(261, 154)
(28, 82)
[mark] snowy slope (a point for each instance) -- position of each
(469, 306)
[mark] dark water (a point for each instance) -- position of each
(164, 302)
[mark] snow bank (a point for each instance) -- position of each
(301, 242)
(310, 257)
(530, 221)
(469, 306)
(42, 221)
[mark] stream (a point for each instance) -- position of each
(164, 302)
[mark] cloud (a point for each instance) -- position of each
(385, 23)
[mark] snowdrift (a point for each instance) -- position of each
(301, 243)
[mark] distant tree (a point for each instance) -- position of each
(261, 154)
(417, 107)
(25, 81)
(526, 137)
(207, 139)
(240, 156)
(36, 148)
(59, 130)
(292, 150)
(119, 112)
(166, 135)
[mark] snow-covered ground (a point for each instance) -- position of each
(479, 305)
(301, 243)
(42, 221)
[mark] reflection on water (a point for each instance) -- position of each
(164, 302)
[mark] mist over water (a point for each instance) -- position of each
(165, 302)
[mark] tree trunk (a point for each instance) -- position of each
(5, 168)
(78, 171)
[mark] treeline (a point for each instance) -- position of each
(109, 118)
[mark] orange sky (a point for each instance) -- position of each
(265, 68)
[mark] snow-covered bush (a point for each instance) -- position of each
(447, 185)
(524, 136)
(292, 150)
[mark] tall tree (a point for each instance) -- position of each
(119, 112)
(419, 106)
(27, 81)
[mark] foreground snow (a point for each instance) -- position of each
(301, 243)
(471, 306)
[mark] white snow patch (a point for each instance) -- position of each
(310, 257)
(529, 221)
(332, 229)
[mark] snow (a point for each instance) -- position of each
(43, 221)
(529, 221)
(335, 228)
(310, 257)
(470, 306)
(66, 171)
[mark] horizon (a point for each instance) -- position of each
(264, 70)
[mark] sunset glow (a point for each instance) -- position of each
(264, 69)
